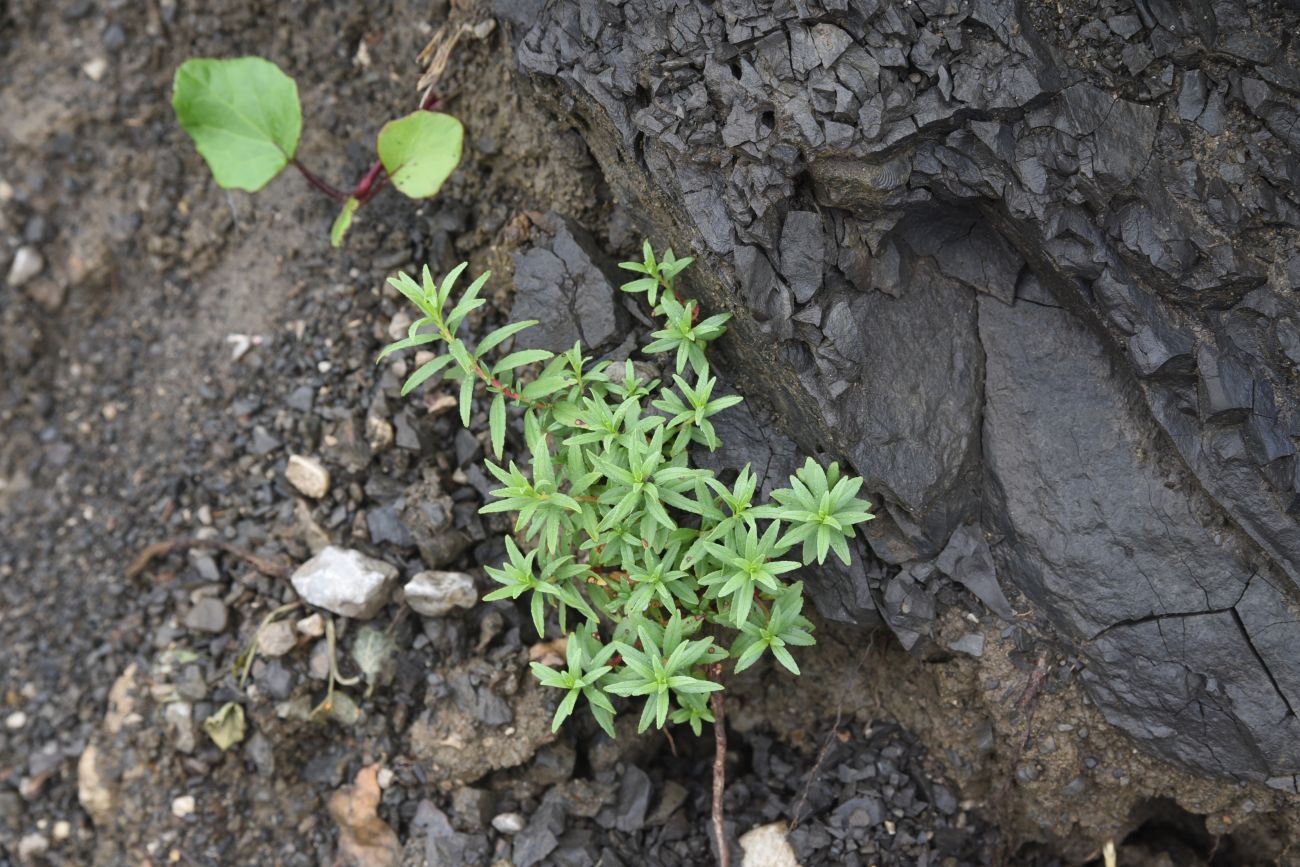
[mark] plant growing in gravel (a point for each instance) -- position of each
(659, 572)
(244, 117)
(667, 571)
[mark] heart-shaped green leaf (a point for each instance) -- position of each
(243, 115)
(420, 151)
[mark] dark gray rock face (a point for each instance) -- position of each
(572, 262)
(1034, 276)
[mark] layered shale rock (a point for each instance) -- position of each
(1031, 269)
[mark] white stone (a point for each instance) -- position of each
(95, 68)
(308, 475)
(26, 265)
(346, 582)
(61, 831)
(509, 823)
(435, 593)
(184, 806)
(277, 638)
(312, 625)
(32, 845)
(15, 721)
(385, 778)
(766, 846)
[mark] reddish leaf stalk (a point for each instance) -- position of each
(719, 769)
(372, 181)
(334, 193)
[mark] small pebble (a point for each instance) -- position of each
(15, 721)
(208, 615)
(313, 625)
(31, 846)
(27, 265)
(95, 68)
(308, 475)
(61, 831)
(385, 778)
(277, 639)
(436, 594)
(114, 37)
(183, 806)
(767, 846)
(508, 823)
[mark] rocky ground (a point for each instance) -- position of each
(189, 375)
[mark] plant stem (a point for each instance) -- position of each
(371, 182)
(335, 194)
(374, 178)
(719, 770)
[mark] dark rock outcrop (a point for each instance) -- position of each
(1033, 273)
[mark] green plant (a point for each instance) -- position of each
(668, 571)
(244, 117)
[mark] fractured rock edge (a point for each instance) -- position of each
(976, 177)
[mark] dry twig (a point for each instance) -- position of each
(184, 543)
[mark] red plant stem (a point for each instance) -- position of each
(719, 771)
(369, 183)
(493, 382)
(372, 181)
(335, 194)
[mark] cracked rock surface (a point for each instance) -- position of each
(1031, 269)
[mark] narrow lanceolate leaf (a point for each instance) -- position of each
(496, 338)
(243, 115)
(343, 221)
(497, 424)
(423, 373)
(406, 343)
(466, 399)
(520, 358)
(420, 151)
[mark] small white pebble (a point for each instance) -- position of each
(27, 264)
(324, 366)
(62, 830)
(508, 823)
(308, 475)
(385, 778)
(240, 344)
(183, 806)
(15, 721)
(95, 68)
(313, 625)
(32, 845)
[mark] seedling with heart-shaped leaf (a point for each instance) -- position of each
(245, 119)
